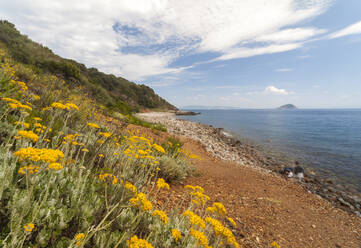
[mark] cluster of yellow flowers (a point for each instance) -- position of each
(70, 138)
(232, 221)
(29, 227)
(30, 169)
(55, 166)
(200, 237)
(194, 219)
(14, 104)
(130, 187)
(24, 124)
(107, 177)
(158, 148)
(162, 184)
(105, 134)
(79, 239)
(67, 106)
(217, 208)
(177, 235)
(163, 217)
(141, 201)
(188, 154)
(275, 245)
(37, 119)
(27, 134)
(21, 84)
(8, 70)
(93, 125)
(40, 128)
(222, 231)
(36, 97)
(135, 242)
(39, 154)
(197, 193)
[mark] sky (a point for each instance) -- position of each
(247, 54)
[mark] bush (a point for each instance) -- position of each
(173, 170)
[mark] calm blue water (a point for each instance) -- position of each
(327, 140)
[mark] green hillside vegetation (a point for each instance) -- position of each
(115, 93)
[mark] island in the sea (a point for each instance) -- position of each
(288, 106)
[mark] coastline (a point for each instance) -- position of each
(222, 145)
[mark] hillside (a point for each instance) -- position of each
(72, 175)
(113, 92)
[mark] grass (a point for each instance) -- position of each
(70, 179)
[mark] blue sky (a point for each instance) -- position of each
(248, 54)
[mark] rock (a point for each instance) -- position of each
(345, 203)
(313, 226)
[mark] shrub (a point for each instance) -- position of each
(172, 169)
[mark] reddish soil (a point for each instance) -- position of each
(269, 208)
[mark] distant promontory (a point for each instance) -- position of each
(288, 106)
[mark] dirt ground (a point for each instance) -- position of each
(269, 208)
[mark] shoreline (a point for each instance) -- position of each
(222, 145)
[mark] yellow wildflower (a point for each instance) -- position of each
(36, 154)
(177, 235)
(200, 237)
(84, 150)
(162, 184)
(159, 148)
(222, 231)
(194, 219)
(28, 169)
(161, 215)
(141, 201)
(59, 105)
(26, 125)
(108, 177)
(72, 106)
(275, 245)
(55, 166)
(79, 238)
(232, 221)
(29, 227)
(101, 155)
(90, 124)
(106, 135)
(37, 119)
(135, 242)
(29, 135)
(36, 97)
(131, 187)
(217, 207)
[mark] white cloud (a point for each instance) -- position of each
(352, 29)
(245, 52)
(283, 70)
(273, 90)
(138, 39)
(291, 35)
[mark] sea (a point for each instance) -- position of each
(326, 141)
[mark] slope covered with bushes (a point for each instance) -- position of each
(70, 178)
(113, 92)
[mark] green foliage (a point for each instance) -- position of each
(173, 170)
(136, 121)
(115, 93)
